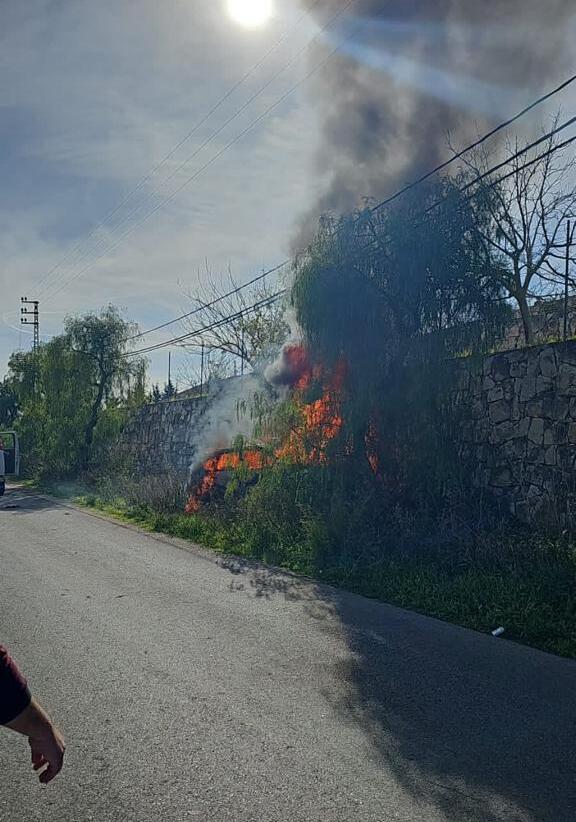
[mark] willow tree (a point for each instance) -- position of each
(78, 384)
(396, 294)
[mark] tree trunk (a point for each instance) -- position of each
(526, 317)
(92, 421)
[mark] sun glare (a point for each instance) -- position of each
(250, 13)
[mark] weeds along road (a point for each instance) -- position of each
(190, 687)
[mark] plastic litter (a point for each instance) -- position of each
(498, 631)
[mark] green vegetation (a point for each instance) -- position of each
(366, 486)
(70, 399)
(481, 576)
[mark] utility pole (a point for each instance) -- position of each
(569, 238)
(169, 368)
(34, 313)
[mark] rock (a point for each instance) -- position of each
(542, 407)
(566, 455)
(560, 433)
(536, 432)
(496, 393)
(550, 455)
(548, 366)
(499, 411)
(543, 384)
(567, 380)
(527, 388)
(500, 368)
(561, 407)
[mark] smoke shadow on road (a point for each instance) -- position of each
(482, 728)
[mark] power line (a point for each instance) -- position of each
(523, 151)
(217, 324)
(148, 176)
(213, 302)
(195, 175)
(274, 297)
(494, 183)
(426, 176)
(475, 144)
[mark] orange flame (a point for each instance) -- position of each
(228, 461)
(321, 422)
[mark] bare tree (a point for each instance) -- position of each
(527, 215)
(246, 324)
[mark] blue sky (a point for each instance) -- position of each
(92, 96)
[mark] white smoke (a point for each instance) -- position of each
(226, 417)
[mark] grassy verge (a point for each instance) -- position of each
(520, 580)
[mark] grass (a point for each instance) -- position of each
(515, 578)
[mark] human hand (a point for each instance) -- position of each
(46, 742)
(47, 753)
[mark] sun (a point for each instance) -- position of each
(250, 13)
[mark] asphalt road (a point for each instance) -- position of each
(195, 688)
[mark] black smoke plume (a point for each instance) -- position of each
(413, 76)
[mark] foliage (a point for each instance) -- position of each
(74, 393)
(395, 295)
(465, 568)
(8, 404)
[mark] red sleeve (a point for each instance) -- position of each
(14, 693)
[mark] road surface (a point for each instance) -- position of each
(193, 688)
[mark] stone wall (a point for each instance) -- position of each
(518, 426)
(516, 414)
(158, 439)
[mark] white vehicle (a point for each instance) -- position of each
(9, 457)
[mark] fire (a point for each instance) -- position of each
(227, 461)
(320, 422)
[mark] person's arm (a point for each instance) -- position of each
(21, 713)
(46, 742)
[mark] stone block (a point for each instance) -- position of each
(499, 411)
(560, 433)
(532, 363)
(567, 352)
(561, 407)
(541, 407)
(518, 369)
(488, 383)
(527, 388)
(565, 457)
(515, 449)
(544, 385)
(567, 380)
(572, 433)
(536, 431)
(496, 393)
(550, 456)
(500, 368)
(548, 365)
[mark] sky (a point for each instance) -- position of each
(121, 178)
(93, 96)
